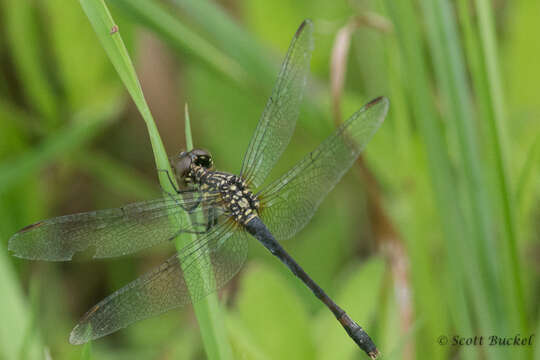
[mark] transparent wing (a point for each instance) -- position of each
(206, 265)
(278, 120)
(291, 201)
(112, 232)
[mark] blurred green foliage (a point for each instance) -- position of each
(456, 167)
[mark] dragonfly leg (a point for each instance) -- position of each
(176, 190)
(184, 231)
(179, 192)
(190, 209)
(212, 221)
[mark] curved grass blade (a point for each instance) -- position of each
(82, 129)
(102, 22)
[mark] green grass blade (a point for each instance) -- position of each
(214, 315)
(187, 123)
(497, 279)
(86, 353)
(231, 38)
(117, 176)
(31, 333)
(207, 311)
(491, 116)
(16, 316)
(24, 40)
(483, 258)
(82, 129)
(405, 19)
(525, 184)
(104, 26)
(498, 140)
(82, 79)
(537, 345)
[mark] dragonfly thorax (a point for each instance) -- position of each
(237, 198)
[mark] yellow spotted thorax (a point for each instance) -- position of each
(236, 198)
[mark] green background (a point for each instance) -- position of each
(434, 234)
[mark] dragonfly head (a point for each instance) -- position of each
(186, 160)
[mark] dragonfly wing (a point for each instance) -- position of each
(278, 120)
(111, 232)
(206, 265)
(291, 201)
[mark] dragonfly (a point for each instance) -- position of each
(223, 210)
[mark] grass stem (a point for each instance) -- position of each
(216, 345)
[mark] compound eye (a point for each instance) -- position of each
(204, 160)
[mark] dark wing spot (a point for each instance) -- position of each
(302, 26)
(32, 226)
(373, 102)
(90, 312)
